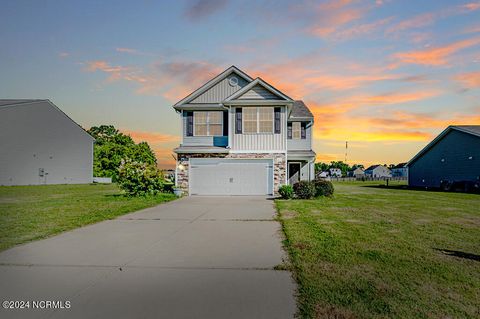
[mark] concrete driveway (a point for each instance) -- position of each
(197, 257)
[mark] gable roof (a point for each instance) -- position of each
(300, 111)
(401, 165)
(469, 129)
(371, 168)
(262, 83)
(20, 102)
(10, 102)
(212, 82)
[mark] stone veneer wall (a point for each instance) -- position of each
(279, 166)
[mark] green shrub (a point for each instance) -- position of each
(286, 191)
(140, 179)
(304, 189)
(323, 188)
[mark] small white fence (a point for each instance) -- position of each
(366, 178)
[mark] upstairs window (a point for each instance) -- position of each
(296, 130)
(258, 120)
(208, 123)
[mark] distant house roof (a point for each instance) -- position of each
(371, 168)
(401, 165)
(7, 103)
(469, 129)
(300, 111)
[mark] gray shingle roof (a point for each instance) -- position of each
(300, 110)
(469, 129)
(7, 102)
(472, 129)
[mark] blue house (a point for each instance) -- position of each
(453, 157)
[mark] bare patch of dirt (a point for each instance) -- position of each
(289, 214)
(333, 312)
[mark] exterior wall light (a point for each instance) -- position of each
(181, 167)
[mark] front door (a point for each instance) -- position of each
(293, 173)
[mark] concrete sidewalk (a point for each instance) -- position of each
(197, 257)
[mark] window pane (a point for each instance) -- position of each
(250, 113)
(265, 113)
(215, 117)
(265, 119)
(296, 130)
(265, 126)
(200, 129)
(215, 129)
(200, 117)
(250, 120)
(250, 126)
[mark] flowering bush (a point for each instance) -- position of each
(140, 179)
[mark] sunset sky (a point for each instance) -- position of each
(386, 76)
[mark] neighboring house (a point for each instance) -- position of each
(453, 156)
(400, 170)
(335, 172)
(242, 136)
(357, 173)
(323, 174)
(41, 145)
(378, 171)
(169, 174)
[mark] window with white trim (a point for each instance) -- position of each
(296, 130)
(208, 123)
(258, 119)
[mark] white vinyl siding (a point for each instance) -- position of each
(258, 141)
(257, 120)
(207, 123)
(296, 130)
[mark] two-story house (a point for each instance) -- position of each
(242, 136)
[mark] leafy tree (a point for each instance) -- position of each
(355, 166)
(320, 167)
(111, 146)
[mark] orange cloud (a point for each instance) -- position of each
(361, 29)
(162, 144)
(333, 15)
(151, 137)
(160, 78)
(415, 22)
(435, 56)
(469, 80)
(471, 6)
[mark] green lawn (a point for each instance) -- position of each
(372, 252)
(32, 212)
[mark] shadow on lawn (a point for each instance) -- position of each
(460, 254)
(421, 189)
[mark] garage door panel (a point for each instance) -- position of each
(230, 177)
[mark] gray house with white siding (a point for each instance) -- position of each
(41, 145)
(452, 157)
(242, 136)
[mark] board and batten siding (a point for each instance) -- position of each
(258, 142)
(220, 91)
(301, 144)
(200, 140)
(36, 136)
(455, 148)
(258, 92)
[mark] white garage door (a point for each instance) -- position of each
(231, 176)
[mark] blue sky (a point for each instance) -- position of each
(384, 75)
